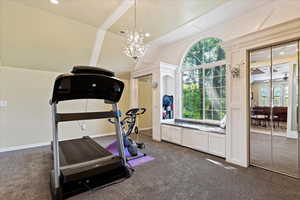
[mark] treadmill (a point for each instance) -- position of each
(82, 164)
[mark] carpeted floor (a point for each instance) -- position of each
(176, 173)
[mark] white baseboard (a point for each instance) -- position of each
(29, 146)
(102, 135)
(21, 147)
(145, 129)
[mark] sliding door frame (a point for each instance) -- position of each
(248, 74)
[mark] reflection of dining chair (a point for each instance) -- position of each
(260, 115)
(279, 115)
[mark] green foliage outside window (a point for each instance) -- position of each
(205, 51)
(203, 90)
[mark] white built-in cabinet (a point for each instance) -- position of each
(208, 142)
(171, 134)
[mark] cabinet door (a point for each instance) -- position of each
(195, 139)
(217, 144)
(175, 134)
(164, 133)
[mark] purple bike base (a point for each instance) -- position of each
(113, 148)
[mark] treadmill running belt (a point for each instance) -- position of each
(80, 150)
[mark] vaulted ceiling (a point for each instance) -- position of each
(159, 17)
(39, 35)
(91, 12)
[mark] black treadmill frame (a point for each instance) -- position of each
(69, 87)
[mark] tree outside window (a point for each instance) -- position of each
(204, 81)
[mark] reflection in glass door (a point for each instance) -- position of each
(273, 108)
(260, 104)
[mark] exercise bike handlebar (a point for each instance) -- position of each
(136, 111)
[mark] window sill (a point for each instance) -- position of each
(196, 126)
(199, 122)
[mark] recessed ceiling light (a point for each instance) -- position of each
(147, 34)
(54, 1)
(282, 53)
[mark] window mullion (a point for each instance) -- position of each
(203, 94)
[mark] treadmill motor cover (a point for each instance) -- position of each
(89, 84)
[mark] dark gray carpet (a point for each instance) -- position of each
(176, 173)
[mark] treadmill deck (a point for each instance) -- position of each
(80, 150)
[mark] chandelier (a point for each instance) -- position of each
(135, 47)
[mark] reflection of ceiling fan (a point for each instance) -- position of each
(256, 71)
(285, 77)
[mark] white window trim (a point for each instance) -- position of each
(189, 68)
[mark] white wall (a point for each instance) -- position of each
(145, 101)
(27, 118)
(37, 39)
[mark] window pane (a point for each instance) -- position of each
(209, 73)
(223, 70)
(203, 90)
(217, 104)
(208, 114)
(264, 96)
(286, 96)
(213, 102)
(217, 115)
(223, 104)
(277, 96)
(192, 93)
(204, 51)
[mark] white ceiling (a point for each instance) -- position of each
(254, 14)
(39, 35)
(159, 17)
(91, 12)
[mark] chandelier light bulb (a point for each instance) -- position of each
(54, 1)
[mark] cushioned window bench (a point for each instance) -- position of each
(202, 137)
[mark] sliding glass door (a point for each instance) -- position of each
(260, 108)
(274, 108)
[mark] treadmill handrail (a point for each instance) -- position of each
(63, 117)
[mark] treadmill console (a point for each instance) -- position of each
(87, 83)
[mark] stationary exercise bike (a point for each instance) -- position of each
(128, 125)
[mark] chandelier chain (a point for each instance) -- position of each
(135, 47)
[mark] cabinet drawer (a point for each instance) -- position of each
(195, 139)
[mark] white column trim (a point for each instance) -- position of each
(97, 47)
(102, 30)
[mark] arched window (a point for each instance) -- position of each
(204, 81)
